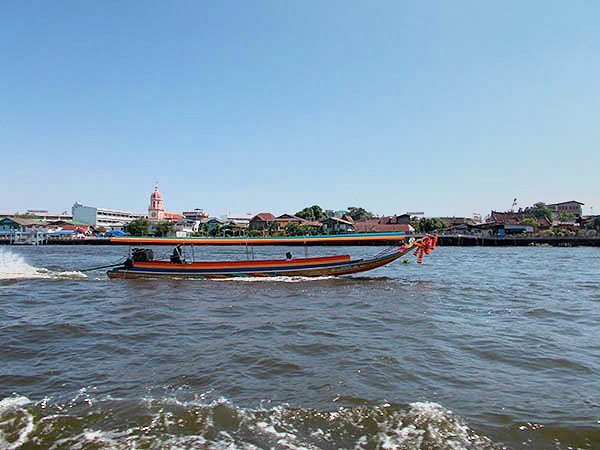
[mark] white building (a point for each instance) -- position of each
(43, 214)
(195, 215)
(103, 217)
(240, 220)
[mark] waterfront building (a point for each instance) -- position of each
(572, 207)
(456, 221)
(384, 224)
(500, 229)
(195, 215)
(213, 222)
(23, 231)
(70, 225)
(336, 225)
(103, 217)
(240, 221)
(43, 214)
(339, 213)
(156, 209)
(517, 217)
(262, 222)
(285, 219)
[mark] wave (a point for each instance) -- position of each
(167, 423)
(14, 267)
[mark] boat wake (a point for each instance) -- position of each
(169, 423)
(293, 279)
(14, 267)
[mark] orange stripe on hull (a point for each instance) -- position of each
(371, 237)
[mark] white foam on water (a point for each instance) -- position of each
(278, 279)
(428, 424)
(69, 274)
(14, 267)
(9, 403)
(423, 425)
(15, 404)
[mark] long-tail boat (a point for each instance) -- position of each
(141, 262)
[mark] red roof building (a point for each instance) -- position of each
(384, 224)
(173, 216)
(263, 221)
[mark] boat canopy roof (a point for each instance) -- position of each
(272, 240)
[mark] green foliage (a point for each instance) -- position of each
(427, 224)
(358, 213)
(312, 213)
(564, 216)
(163, 228)
(215, 230)
(540, 210)
(562, 232)
(531, 221)
(138, 227)
(100, 229)
(295, 229)
(416, 223)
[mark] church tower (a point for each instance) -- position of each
(156, 209)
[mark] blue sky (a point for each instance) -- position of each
(444, 107)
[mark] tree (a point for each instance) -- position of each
(428, 224)
(564, 216)
(540, 210)
(312, 213)
(531, 221)
(163, 228)
(138, 227)
(215, 231)
(228, 229)
(293, 229)
(100, 229)
(415, 222)
(358, 213)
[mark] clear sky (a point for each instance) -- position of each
(444, 107)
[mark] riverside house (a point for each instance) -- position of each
(262, 222)
(384, 224)
(23, 231)
(337, 225)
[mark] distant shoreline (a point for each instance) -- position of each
(450, 241)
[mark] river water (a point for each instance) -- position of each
(476, 348)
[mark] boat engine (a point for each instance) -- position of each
(142, 254)
(138, 255)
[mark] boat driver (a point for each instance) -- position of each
(177, 256)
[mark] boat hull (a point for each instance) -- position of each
(304, 267)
